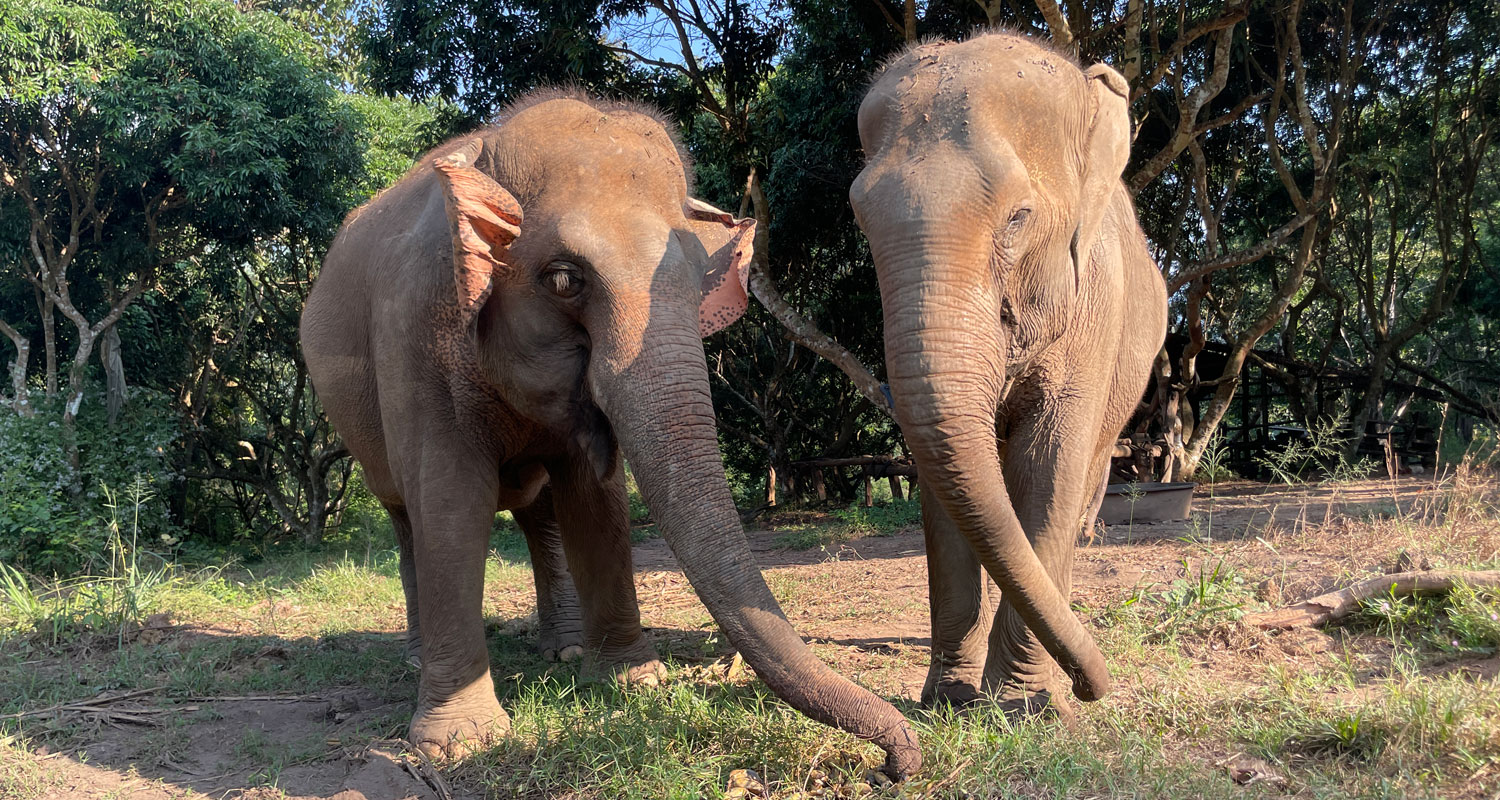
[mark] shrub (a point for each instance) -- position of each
(53, 521)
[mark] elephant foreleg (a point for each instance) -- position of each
(1052, 475)
(594, 519)
(408, 567)
(962, 599)
(451, 512)
(559, 618)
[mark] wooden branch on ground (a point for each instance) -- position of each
(91, 704)
(1334, 606)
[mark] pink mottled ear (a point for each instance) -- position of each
(485, 219)
(729, 243)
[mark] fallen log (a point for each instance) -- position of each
(1334, 606)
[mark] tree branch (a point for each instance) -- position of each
(799, 329)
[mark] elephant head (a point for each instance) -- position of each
(584, 279)
(990, 166)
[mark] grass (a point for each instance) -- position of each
(886, 518)
(1384, 706)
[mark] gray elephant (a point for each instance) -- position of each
(492, 333)
(1022, 313)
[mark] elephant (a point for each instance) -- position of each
(1022, 313)
(496, 331)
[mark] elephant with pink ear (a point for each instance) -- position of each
(1022, 313)
(495, 332)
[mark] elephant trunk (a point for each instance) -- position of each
(662, 414)
(946, 375)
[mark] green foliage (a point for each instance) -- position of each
(398, 130)
(43, 527)
(1322, 451)
(209, 159)
(1465, 620)
(1209, 593)
(879, 520)
(854, 522)
(110, 602)
(1214, 466)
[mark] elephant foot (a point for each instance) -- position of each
(958, 694)
(648, 673)
(461, 724)
(952, 680)
(565, 646)
(636, 665)
(411, 653)
(1018, 702)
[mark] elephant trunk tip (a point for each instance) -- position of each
(903, 755)
(1090, 676)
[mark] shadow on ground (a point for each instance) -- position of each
(197, 713)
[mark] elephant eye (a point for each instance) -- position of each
(1019, 217)
(563, 279)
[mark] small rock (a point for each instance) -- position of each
(1269, 592)
(1406, 561)
(745, 783)
(1245, 770)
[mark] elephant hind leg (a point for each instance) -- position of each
(594, 520)
(408, 568)
(559, 618)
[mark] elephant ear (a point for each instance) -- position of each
(1105, 153)
(729, 243)
(484, 219)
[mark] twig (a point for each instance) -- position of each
(1334, 606)
(263, 698)
(428, 773)
(952, 776)
(83, 705)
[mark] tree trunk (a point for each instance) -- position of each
(1336, 605)
(1171, 423)
(76, 373)
(770, 485)
(114, 372)
(895, 482)
(21, 401)
(1208, 424)
(1369, 405)
(49, 341)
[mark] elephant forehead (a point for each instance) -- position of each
(1001, 86)
(628, 156)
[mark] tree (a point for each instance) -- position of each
(140, 141)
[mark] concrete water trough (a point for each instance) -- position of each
(1146, 502)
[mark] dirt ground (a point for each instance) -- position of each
(862, 603)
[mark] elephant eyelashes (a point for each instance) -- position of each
(1014, 227)
(563, 279)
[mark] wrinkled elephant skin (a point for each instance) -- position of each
(1022, 314)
